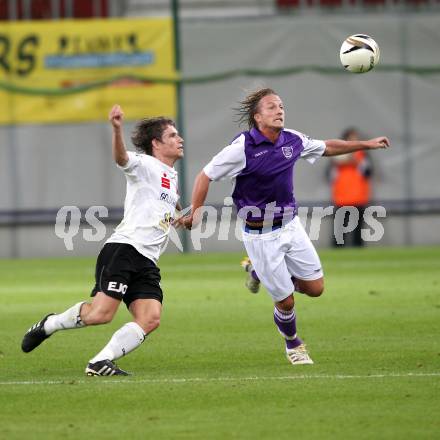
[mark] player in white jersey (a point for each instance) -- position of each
(126, 267)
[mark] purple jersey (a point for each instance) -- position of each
(263, 172)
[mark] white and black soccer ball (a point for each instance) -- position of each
(359, 53)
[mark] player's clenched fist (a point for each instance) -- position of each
(379, 142)
(116, 116)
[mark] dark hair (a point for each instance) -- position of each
(148, 129)
(247, 108)
(349, 132)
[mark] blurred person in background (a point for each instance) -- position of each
(350, 178)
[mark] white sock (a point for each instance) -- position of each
(64, 321)
(126, 339)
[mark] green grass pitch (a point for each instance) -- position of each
(215, 369)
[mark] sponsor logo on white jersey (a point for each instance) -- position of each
(168, 198)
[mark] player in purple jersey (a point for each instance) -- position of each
(261, 162)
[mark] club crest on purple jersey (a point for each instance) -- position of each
(288, 152)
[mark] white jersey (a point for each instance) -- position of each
(149, 206)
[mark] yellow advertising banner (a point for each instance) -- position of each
(75, 70)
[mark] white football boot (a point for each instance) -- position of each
(251, 283)
(299, 356)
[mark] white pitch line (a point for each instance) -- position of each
(218, 379)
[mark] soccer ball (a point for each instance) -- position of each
(359, 53)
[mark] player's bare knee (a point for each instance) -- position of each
(316, 292)
(286, 304)
(313, 288)
(317, 289)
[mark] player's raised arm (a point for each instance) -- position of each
(119, 151)
(334, 147)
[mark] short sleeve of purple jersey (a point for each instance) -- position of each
(229, 162)
(313, 148)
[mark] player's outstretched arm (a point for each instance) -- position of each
(200, 191)
(334, 147)
(119, 151)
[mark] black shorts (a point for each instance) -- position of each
(125, 274)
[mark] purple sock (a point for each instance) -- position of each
(286, 323)
(254, 275)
